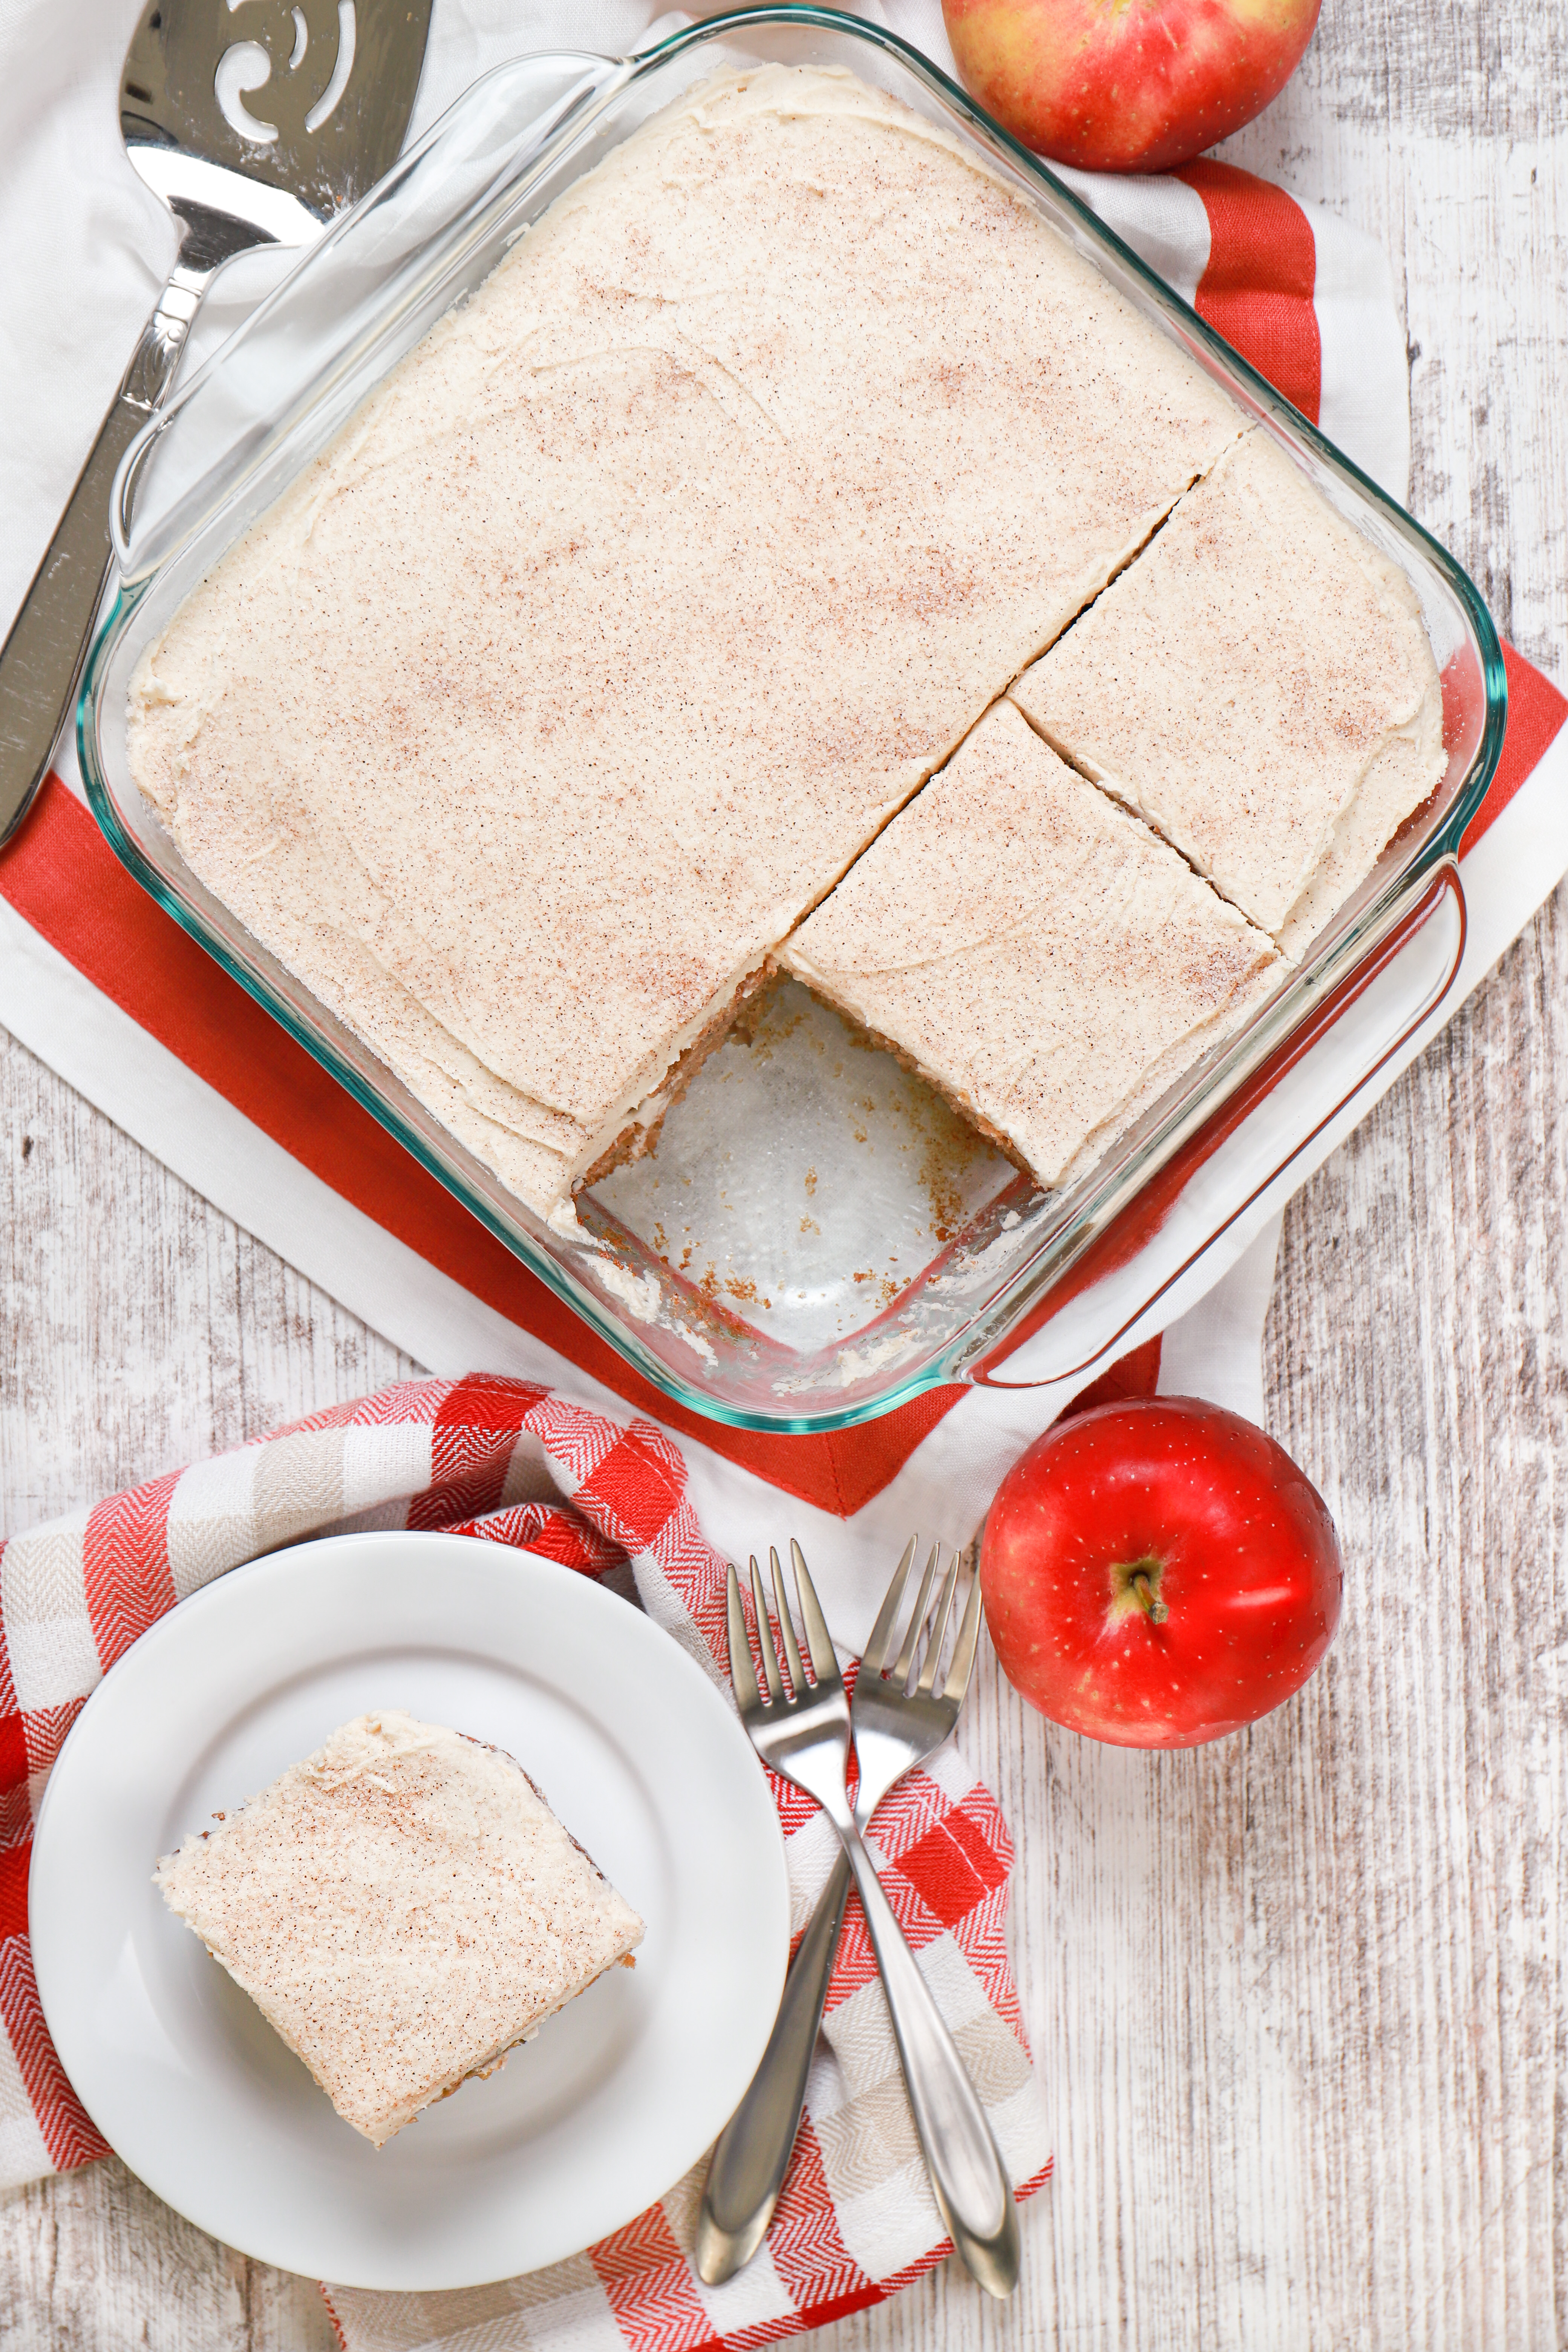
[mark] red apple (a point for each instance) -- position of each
(1126, 85)
(1158, 1573)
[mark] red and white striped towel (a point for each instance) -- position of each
(513, 1464)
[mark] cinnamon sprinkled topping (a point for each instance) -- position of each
(403, 1907)
(647, 588)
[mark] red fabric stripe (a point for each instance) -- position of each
(1136, 1374)
(13, 1732)
(7, 1687)
(472, 1441)
(45, 1729)
(917, 1805)
(332, 2313)
(63, 879)
(643, 2272)
(794, 1807)
(13, 1752)
(125, 1566)
(1256, 290)
(818, 2315)
(952, 1867)
(1535, 715)
(13, 1868)
(487, 1401)
(15, 1816)
(805, 2240)
(67, 2134)
(855, 1963)
(916, 2270)
(16, 1811)
(552, 1532)
(634, 1492)
(982, 1937)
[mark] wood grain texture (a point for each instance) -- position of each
(142, 1329)
(1299, 2000)
(139, 1329)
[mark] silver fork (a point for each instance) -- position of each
(896, 1720)
(804, 1734)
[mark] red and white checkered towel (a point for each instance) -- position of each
(113, 995)
(516, 1464)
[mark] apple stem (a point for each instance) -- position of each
(1148, 1600)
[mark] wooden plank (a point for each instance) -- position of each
(140, 1330)
(94, 2262)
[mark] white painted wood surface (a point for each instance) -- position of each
(1299, 2000)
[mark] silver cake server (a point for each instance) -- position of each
(255, 122)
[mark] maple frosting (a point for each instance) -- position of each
(1040, 955)
(630, 607)
(403, 1907)
(1260, 686)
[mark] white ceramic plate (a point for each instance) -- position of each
(640, 1756)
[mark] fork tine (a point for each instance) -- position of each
(743, 1674)
(938, 1631)
(887, 1616)
(906, 1655)
(787, 1626)
(818, 1640)
(963, 1648)
(765, 1636)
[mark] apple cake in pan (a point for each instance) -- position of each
(642, 610)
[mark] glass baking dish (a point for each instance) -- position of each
(816, 1238)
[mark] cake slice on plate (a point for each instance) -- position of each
(404, 1907)
(1258, 685)
(1037, 954)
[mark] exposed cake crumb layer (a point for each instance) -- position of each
(403, 1907)
(648, 587)
(1040, 955)
(1260, 686)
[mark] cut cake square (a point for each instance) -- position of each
(1040, 956)
(404, 1907)
(1258, 686)
(649, 586)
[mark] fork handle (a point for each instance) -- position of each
(41, 660)
(751, 2153)
(961, 2156)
